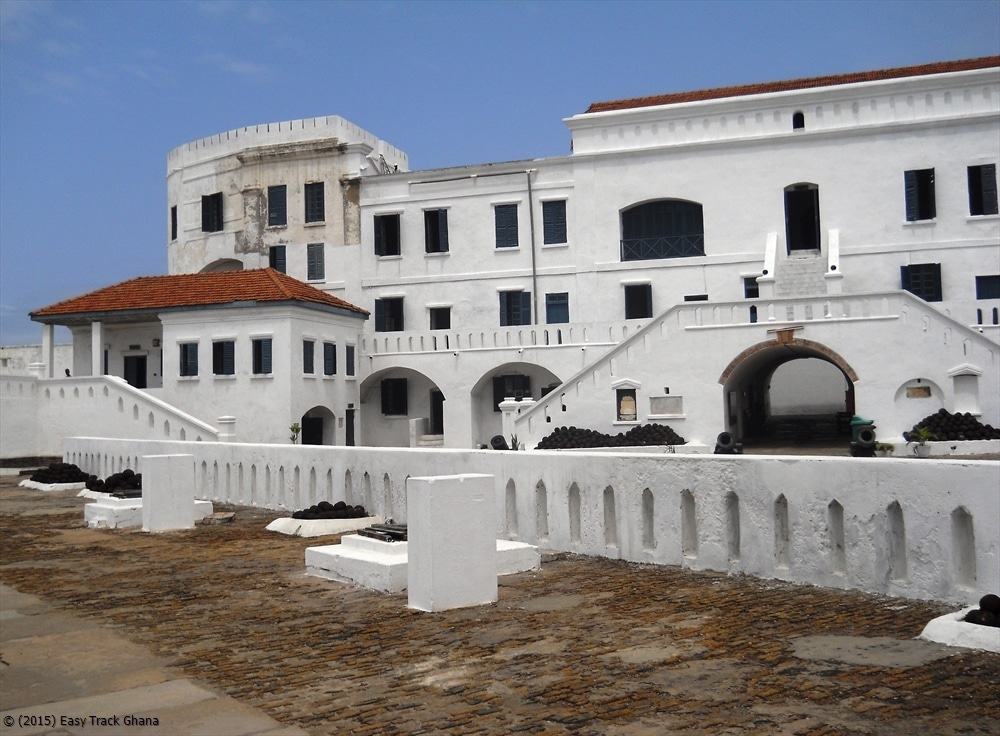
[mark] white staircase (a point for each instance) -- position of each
(800, 276)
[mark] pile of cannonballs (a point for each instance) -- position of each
(947, 427)
(327, 510)
(988, 613)
(126, 484)
(563, 438)
(59, 473)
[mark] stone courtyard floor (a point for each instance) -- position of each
(584, 646)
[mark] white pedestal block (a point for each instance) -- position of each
(451, 526)
(109, 512)
(319, 527)
(167, 492)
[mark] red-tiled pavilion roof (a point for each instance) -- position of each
(195, 290)
(940, 67)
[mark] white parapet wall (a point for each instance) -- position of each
(907, 527)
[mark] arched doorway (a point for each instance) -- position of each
(318, 426)
(788, 391)
(223, 264)
(518, 380)
(390, 399)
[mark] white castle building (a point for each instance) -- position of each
(708, 260)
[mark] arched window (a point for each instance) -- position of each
(664, 228)
(798, 120)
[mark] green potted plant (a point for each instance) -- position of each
(884, 449)
(919, 438)
(293, 432)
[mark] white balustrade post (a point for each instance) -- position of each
(96, 348)
(48, 350)
(167, 492)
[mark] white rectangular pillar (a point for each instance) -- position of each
(48, 350)
(167, 492)
(96, 348)
(451, 541)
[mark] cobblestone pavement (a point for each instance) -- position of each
(584, 646)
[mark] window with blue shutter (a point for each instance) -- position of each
(554, 222)
(261, 356)
(308, 353)
(394, 396)
(329, 359)
(315, 207)
(557, 308)
(918, 186)
(315, 262)
(189, 358)
(988, 287)
(923, 280)
(349, 360)
(389, 314)
(506, 225)
(276, 257)
(211, 213)
(515, 308)
(387, 235)
(436, 231)
(224, 358)
(277, 205)
(983, 189)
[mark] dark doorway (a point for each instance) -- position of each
(437, 412)
(802, 217)
(312, 430)
(135, 370)
(349, 427)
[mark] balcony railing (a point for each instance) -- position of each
(667, 246)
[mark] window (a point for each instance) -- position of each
(189, 358)
(308, 352)
(224, 358)
(983, 189)
(349, 360)
(506, 225)
(277, 205)
(389, 314)
(798, 120)
(625, 403)
(922, 279)
(315, 266)
(554, 222)
(261, 356)
(666, 228)
(394, 397)
(173, 222)
(751, 289)
(557, 308)
(638, 301)
(436, 231)
(988, 287)
(329, 359)
(919, 189)
(440, 318)
(387, 235)
(696, 298)
(802, 228)
(516, 386)
(211, 213)
(314, 202)
(515, 308)
(276, 257)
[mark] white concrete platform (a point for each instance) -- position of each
(378, 565)
(951, 630)
(123, 513)
(35, 485)
(320, 527)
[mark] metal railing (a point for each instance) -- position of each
(666, 246)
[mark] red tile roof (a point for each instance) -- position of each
(195, 290)
(940, 67)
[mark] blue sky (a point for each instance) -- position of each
(94, 94)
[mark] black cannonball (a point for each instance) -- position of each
(990, 602)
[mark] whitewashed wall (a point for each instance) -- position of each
(914, 528)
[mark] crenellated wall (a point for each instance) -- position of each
(914, 528)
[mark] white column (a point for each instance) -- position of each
(451, 541)
(167, 492)
(96, 348)
(48, 352)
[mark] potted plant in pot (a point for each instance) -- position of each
(919, 438)
(884, 449)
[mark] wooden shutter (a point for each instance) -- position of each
(206, 214)
(228, 357)
(379, 235)
(277, 210)
(554, 222)
(276, 258)
(499, 386)
(442, 231)
(525, 308)
(329, 359)
(910, 189)
(308, 356)
(988, 183)
(315, 269)
(265, 356)
(904, 277)
(379, 316)
(506, 225)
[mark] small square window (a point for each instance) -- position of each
(440, 318)
(387, 235)
(983, 189)
(505, 216)
(394, 396)
(751, 289)
(625, 403)
(329, 359)
(554, 222)
(919, 186)
(189, 358)
(315, 205)
(988, 287)
(557, 308)
(515, 308)
(696, 298)
(922, 279)
(261, 354)
(277, 205)
(315, 262)
(276, 257)
(436, 231)
(224, 358)
(308, 351)
(638, 301)
(389, 314)
(211, 213)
